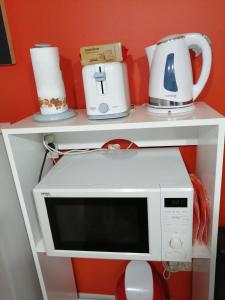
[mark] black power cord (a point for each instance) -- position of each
(52, 145)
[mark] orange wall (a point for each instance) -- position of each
(70, 24)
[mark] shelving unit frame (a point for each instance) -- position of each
(203, 128)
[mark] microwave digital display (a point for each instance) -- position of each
(175, 202)
(99, 224)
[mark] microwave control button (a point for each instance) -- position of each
(103, 108)
(175, 243)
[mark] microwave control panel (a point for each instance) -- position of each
(176, 230)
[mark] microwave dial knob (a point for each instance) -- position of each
(175, 243)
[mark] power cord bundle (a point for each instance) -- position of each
(168, 269)
(175, 266)
(50, 147)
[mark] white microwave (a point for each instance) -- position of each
(120, 204)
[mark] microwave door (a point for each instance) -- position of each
(99, 224)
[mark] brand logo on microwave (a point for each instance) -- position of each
(45, 194)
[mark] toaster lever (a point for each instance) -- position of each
(100, 76)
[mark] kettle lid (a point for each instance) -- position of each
(169, 38)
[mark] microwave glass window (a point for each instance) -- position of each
(175, 202)
(99, 224)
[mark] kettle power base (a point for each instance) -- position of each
(170, 111)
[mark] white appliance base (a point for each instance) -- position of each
(69, 113)
(171, 111)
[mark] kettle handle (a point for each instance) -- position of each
(200, 44)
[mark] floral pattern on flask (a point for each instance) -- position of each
(53, 102)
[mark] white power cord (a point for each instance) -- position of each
(130, 145)
(76, 151)
(69, 152)
(168, 269)
(175, 266)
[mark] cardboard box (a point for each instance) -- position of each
(101, 54)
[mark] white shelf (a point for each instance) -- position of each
(203, 127)
(156, 131)
(198, 250)
(140, 118)
(40, 247)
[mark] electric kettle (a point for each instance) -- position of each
(171, 80)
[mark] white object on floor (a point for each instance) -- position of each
(139, 281)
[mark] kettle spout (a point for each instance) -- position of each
(150, 53)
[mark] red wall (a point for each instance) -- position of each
(136, 23)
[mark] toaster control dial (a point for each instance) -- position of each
(103, 108)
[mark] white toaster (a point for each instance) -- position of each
(106, 90)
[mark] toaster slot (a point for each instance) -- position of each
(100, 70)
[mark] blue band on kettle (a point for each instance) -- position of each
(169, 74)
